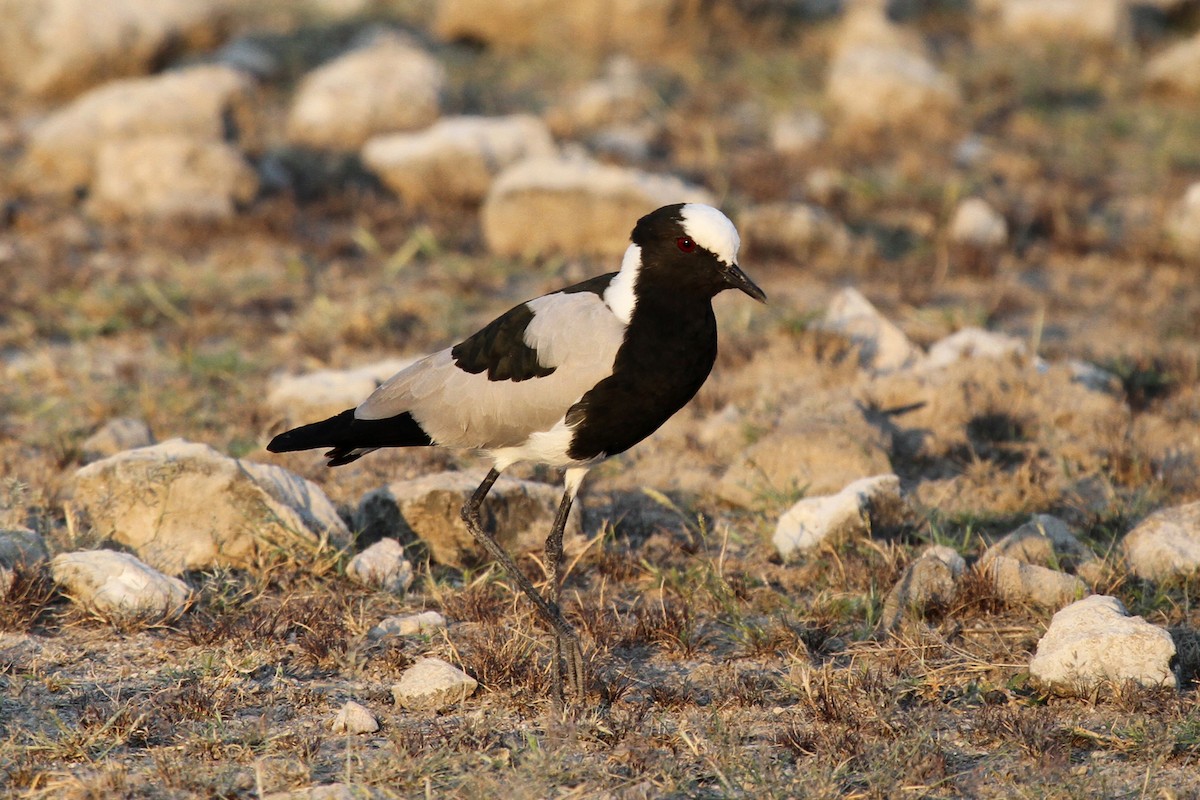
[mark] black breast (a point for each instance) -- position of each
(668, 352)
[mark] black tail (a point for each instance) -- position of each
(352, 438)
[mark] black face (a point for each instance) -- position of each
(672, 258)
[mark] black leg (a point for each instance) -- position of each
(565, 647)
(549, 612)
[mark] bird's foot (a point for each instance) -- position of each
(568, 660)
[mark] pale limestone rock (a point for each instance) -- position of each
(1176, 69)
(457, 158)
(821, 445)
(114, 436)
(1019, 583)
(880, 77)
(1104, 23)
(797, 132)
(1047, 541)
(1183, 224)
(931, 579)
(433, 684)
(973, 343)
(120, 585)
(794, 230)
(883, 346)
(331, 791)
(518, 513)
(619, 97)
(389, 85)
(170, 176)
(574, 206)
(326, 392)
(354, 718)
(1094, 641)
(977, 224)
(408, 625)
(202, 102)
(184, 506)
(57, 48)
(1165, 544)
(832, 519)
(382, 566)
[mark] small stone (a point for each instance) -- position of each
(326, 392)
(1048, 542)
(389, 85)
(354, 718)
(408, 625)
(518, 513)
(977, 224)
(1176, 69)
(1095, 641)
(797, 132)
(574, 206)
(457, 158)
(973, 343)
(929, 580)
(795, 230)
(330, 791)
(948, 556)
(115, 436)
(433, 684)
(382, 566)
(1165, 544)
(883, 346)
(120, 585)
(1051, 23)
(618, 97)
(581, 26)
(833, 519)
(1019, 583)
(20, 548)
(1183, 224)
(170, 177)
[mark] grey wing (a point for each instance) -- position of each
(575, 335)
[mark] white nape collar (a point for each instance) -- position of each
(619, 296)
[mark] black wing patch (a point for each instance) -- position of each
(500, 349)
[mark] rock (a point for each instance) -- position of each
(1183, 224)
(832, 519)
(977, 224)
(389, 85)
(1095, 641)
(184, 506)
(170, 177)
(883, 346)
(1051, 23)
(382, 566)
(204, 102)
(590, 26)
(20, 548)
(973, 343)
(619, 97)
(930, 580)
(326, 392)
(329, 791)
(1177, 69)
(114, 436)
(879, 78)
(354, 718)
(409, 625)
(1048, 542)
(57, 48)
(1165, 544)
(792, 230)
(518, 513)
(797, 132)
(574, 206)
(823, 444)
(1019, 583)
(457, 158)
(1094, 378)
(434, 685)
(119, 585)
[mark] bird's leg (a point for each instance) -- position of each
(550, 613)
(566, 647)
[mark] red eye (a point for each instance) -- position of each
(685, 244)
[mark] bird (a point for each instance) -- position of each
(568, 379)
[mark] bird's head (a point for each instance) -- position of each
(691, 245)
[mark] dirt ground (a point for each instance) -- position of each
(717, 670)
